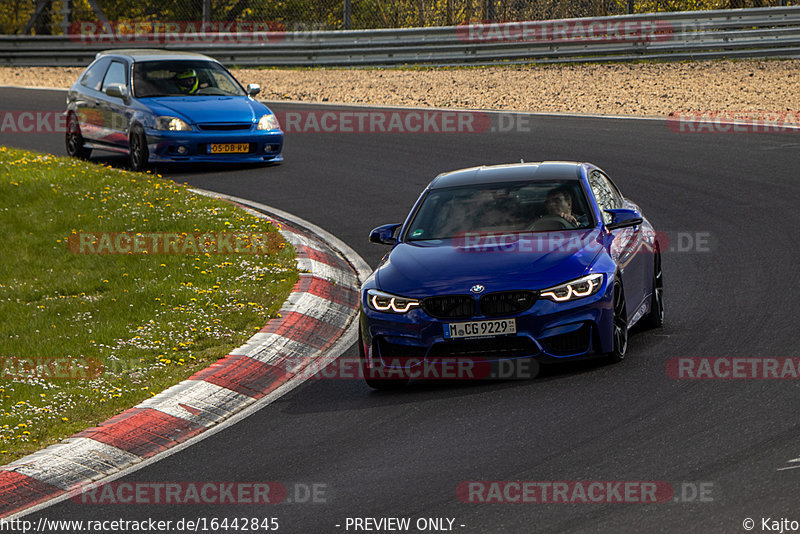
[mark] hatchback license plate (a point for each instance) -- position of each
(496, 327)
(229, 148)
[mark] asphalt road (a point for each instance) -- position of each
(403, 454)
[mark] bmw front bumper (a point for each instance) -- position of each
(547, 331)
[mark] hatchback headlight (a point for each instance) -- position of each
(173, 124)
(268, 122)
(388, 303)
(577, 289)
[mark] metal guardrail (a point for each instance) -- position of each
(758, 32)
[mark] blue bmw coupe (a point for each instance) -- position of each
(159, 106)
(545, 261)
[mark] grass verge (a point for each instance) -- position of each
(85, 336)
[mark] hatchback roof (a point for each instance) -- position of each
(152, 54)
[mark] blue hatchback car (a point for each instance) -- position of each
(544, 261)
(159, 106)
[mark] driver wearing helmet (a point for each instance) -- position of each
(187, 81)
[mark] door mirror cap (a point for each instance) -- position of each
(623, 218)
(384, 235)
(253, 89)
(117, 90)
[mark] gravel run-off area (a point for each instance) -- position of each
(747, 87)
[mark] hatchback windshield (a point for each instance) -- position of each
(501, 208)
(183, 78)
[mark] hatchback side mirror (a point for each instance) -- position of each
(117, 90)
(253, 89)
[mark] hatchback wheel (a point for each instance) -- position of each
(74, 139)
(138, 149)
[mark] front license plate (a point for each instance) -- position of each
(496, 327)
(229, 148)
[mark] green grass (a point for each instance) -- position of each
(150, 320)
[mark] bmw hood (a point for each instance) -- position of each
(418, 269)
(210, 108)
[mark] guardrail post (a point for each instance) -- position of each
(66, 16)
(346, 15)
(490, 11)
(206, 10)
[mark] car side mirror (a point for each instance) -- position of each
(117, 90)
(253, 89)
(623, 218)
(384, 234)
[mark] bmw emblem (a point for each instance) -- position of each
(477, 288)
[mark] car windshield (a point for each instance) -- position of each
(183, 78)
(501, 208)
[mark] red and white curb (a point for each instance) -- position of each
(316, 325)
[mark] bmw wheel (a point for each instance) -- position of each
(620, 329)
(655, 317)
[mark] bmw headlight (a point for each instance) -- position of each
(268, 122)
(577, 289)
(173, 124)
(385, 302)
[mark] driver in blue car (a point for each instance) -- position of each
(559, 203)
(187, 81)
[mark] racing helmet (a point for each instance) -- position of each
(187, 81)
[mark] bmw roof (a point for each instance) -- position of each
(153, 54)
(514, 172)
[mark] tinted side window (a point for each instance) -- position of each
(115, 74)
(607, 197)
(94, 74)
